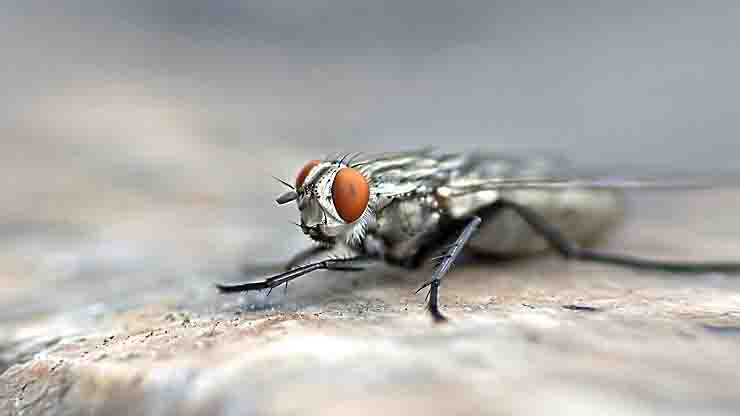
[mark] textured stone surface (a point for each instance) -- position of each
(126, 321)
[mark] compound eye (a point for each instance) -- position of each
(304, 172)
(350, 193)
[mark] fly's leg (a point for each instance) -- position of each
(346, 264)
(571, 250)
(445, 263)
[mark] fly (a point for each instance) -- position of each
(407, 208)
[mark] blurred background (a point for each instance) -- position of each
(138, 137)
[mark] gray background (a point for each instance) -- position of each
(630, 82)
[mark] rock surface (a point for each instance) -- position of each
(109, 309)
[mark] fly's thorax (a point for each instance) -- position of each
(403, 218)
(464, 205)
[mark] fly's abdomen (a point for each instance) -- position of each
(583, 215)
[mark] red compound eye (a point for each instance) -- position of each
(350, 193)
(304, 172)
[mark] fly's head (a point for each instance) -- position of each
(334, 201)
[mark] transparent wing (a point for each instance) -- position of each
(487, 171)
(462, 187)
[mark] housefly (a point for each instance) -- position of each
(406, 208)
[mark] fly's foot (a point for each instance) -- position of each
(431, 300)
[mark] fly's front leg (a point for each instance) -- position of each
(337, 257)
(356, 263)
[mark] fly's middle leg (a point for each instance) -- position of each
(445, 262)
(449, 236)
